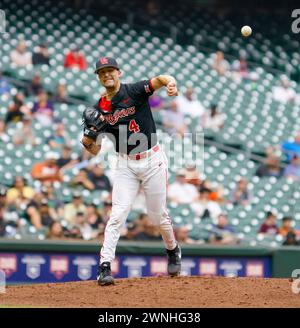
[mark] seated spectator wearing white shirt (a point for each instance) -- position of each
(284, 93)
(173, 120)
(189, 105)
(182, 192)
(204, 207)
(20, 56)
(240, 70)
(219, 63)
(212, 119)
(25, 133)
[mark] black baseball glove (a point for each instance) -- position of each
(93, 124)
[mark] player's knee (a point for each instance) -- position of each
(156, 218)
(119, 214)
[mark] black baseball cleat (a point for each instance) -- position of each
(104, 275)
(174, 261)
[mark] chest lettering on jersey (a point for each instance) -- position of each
(112, 119)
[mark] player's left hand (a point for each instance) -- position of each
(172, 89)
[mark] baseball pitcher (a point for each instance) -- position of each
(123, 114)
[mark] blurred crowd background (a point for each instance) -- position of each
(243, 93)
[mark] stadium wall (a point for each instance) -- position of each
(61, 261)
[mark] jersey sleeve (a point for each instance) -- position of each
(141, 89)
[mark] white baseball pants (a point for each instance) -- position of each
(152, 173)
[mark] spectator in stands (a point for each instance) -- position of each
(20, 56)
(74, 59)
(25, 133)
(241, 195)
(32, 213)
(222, 232)
(55, 231)
(19, 189)
(192, 176)
(291, 240)
(98, 178)
(65, 160)
(3, 205)
(182, 235)
(16, 110)
(142, 229)
(269, 226)
(45, 213)
(41, 56)
(156, 102)
(216, 193)
(35, 86)
(59, 138)
(240, 69)
(56, 206)
(3, 135)
(3, 196)
(48, 170)
(182, 192)
(284, 93)
(286, 226)
(188, 104)
(270, 167)
(2, 222)
(220, 64)
(73, 232)
(43, 109)
(213, 120)
(71, 209)
(81, 179)
(5, 86)
(173, 120)
(204, 207)
(293, 169)
(94, 218)
(84, 227)
(60, 95)
(9, 217)
(291, 148)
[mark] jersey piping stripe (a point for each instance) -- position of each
(151, 86)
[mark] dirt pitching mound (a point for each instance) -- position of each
(161, 292)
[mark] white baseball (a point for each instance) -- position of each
(246, 30)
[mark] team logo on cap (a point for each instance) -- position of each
(103, 60)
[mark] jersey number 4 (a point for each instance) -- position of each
(133, 127)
